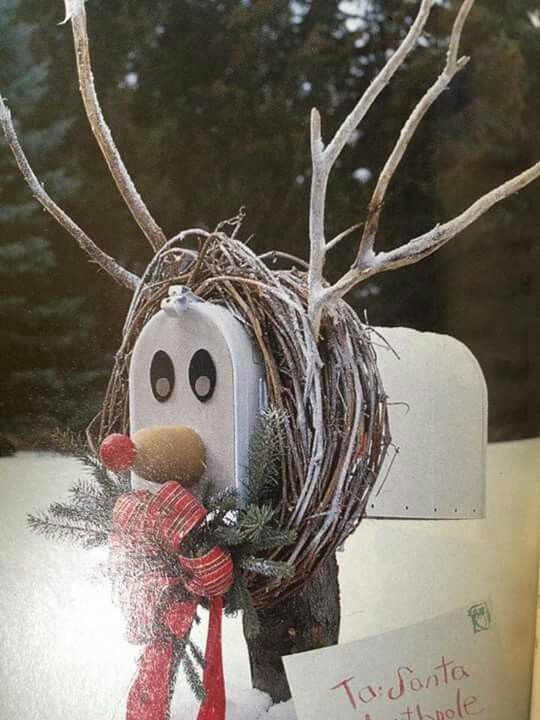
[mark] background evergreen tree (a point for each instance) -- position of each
(489, 282)
(41, 326)
(209, 103)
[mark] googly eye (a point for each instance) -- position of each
(162, 376)
(202, 375)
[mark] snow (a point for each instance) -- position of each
(73, 8)
(64, 648)
(282, 711)
(64, 655)
(242, 704)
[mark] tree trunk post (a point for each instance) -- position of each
(307, 621)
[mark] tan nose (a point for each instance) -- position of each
(166, 453)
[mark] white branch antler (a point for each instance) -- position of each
(452, 67)
(109, 264)
(73, 7)
(420, 247)
(323, 159)
(367, 263)
(76, 14)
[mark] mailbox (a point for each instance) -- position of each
(195, 364)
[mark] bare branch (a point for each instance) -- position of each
(323, 159)
(452, 67)
(319, 183)
(367, 263)
(343, 135)
(76, 13)
(426, 244)
(109, 264)
(274, 255)
(73, 7)
(184, 234)
(342, 235)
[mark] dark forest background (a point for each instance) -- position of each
(209, 104)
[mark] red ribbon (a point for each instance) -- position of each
(146, 526)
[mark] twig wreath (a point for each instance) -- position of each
(336, 430)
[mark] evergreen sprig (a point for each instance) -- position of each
(245, 522)
(85, 519)
(259, 526)
(80, 533)
(239, 600)
(192, 676)
(270, 568)
(197, 653)
(265, 458)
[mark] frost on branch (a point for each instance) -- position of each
(368, 261)
(73, 8)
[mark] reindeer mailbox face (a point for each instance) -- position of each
(194, 365)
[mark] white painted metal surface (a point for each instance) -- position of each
(438, 422)
(437, 394)
(226, 419)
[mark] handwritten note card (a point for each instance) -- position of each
(449, 668)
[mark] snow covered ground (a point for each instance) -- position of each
(62, 639)
(63, 654)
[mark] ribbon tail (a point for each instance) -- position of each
(149, 695)
(213, 707)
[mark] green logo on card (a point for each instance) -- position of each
(480, 617)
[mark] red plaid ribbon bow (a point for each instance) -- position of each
(145, 526)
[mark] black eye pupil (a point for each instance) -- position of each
(202, 375)
(162, 376)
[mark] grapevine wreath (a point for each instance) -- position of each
(330, 396)
(313, 460)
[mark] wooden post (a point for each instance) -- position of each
(307, 621)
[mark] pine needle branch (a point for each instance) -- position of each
(81, 534)
(265, 457)
(272, 538)
(197, 653)
(230, 536)
(85, 519)
(254, 521)
(269, 568)
(224, 502)
(193, 678)
(239, 599)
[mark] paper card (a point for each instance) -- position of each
(535, 701)
(438, 422)
(448, 668)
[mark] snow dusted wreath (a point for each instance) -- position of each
(320, 363)
(333, 411)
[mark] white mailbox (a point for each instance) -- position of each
(195, 364)
(438, 421)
